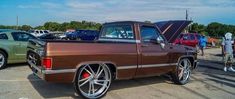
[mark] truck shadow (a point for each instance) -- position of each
(8, 66)
(56, 90)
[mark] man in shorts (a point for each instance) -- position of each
(228, 52)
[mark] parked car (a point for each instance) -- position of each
(13, 45)
(3, 30)
(83, 35)
(38, 33)
(188, 39)
(124, 50)
(48, 36)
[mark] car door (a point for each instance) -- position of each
(21, 39)
(154, 57)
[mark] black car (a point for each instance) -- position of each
(48, 36)
(83, 35)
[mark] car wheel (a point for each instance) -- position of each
(183, 72)
(3, 60)
(93, 81)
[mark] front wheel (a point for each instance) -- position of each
(183, 72)
(3, 60)
(93, 81)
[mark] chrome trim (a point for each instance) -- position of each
(127, 67)
(59, 71)
(158, 65)
(146, 66)
(121, 40)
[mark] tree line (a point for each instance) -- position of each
(55, 26)
(213, 29)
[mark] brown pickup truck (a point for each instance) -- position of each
(124, 50)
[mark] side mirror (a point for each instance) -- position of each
(155, 41)
(158, 40)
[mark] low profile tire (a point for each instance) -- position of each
(93, 81)
(3, 60)
(183, 72)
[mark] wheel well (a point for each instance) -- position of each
(191, 59)
(113, 69)
(5, 52)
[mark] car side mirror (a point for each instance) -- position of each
(155, 41)
(158, 40)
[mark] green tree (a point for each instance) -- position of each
(52, 26)
(26, 27)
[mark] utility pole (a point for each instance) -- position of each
(17, 22)
(186, 15)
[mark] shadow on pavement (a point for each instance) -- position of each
(16, 65)
(56, 90)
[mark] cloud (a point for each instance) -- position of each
(81, 5)
(140, 10)
(27, 6)
(50, 5)
(41, 5)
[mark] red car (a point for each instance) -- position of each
(188, 39)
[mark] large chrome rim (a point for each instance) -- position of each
(94, 81)
(2, 60)
(184, 69)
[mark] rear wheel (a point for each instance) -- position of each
(183, 72)
(3, 60)
(93, 81)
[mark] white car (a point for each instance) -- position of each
(38, 33)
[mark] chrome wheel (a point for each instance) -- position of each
(93, 80)
(184, 70)
(2, 60)
(32, 58)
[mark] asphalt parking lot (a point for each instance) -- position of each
(207, 82)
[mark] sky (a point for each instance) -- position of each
(37, 12)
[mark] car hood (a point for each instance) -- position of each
(172, 29)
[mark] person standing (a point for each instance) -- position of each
(202, 43)
(228, 51)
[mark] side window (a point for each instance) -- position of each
(186, 37)
(3, 37)
(192, 37)
(37, 32)
(148, 33)
(117, 32)
(21, 36)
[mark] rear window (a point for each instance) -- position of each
(46, 32)
(3, 37)
(117, 32)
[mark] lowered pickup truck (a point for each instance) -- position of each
(124, 50)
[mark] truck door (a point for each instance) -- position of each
(154, 57)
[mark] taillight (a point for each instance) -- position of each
(47, 63)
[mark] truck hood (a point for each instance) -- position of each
(172, 29)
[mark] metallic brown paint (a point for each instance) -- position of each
(72, 55)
